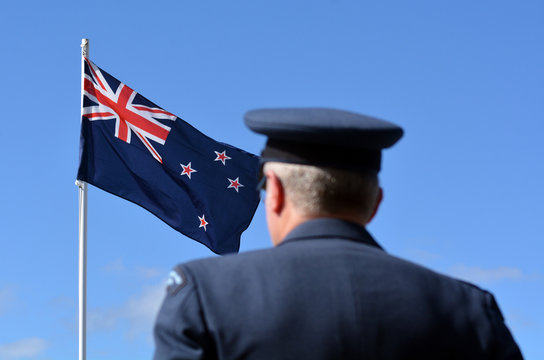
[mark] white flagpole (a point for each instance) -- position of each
(83, 234)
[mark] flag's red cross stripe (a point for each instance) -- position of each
(98, 115)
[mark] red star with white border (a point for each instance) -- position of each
(187, 170)
(203, 222)
(235, 184)
(221, 156)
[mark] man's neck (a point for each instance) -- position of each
(289, 223)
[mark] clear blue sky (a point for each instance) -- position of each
(463, 189)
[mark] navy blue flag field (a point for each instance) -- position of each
(132, 148)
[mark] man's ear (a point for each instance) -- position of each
(275, 194)
(379, 199)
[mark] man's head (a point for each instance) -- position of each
(320, 163)
(307, 192)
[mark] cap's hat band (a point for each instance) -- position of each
(346, 158)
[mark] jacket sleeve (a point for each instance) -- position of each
(180, 331)
(502, 345)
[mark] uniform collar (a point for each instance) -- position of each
(330, 228)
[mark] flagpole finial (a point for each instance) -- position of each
(84, 47)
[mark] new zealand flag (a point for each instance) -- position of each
(132, 148)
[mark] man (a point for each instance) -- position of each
(326, 290)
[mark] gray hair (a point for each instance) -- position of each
(318, 191)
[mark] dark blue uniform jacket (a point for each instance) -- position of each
(327, 292)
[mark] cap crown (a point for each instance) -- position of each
(324, 126)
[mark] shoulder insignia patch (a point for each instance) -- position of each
(176, 281)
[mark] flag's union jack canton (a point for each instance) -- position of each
(132, 148)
